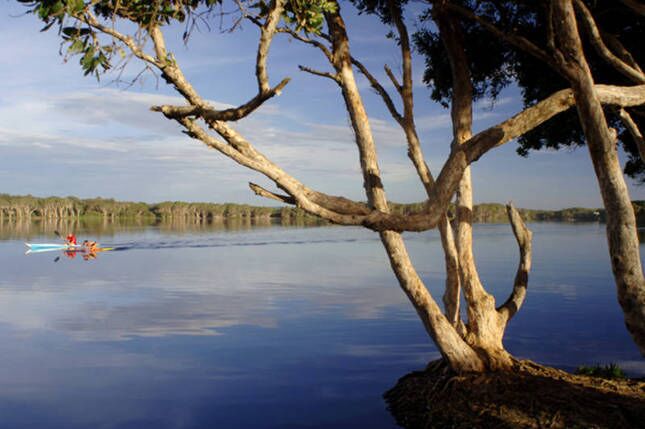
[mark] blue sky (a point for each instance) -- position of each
(65, 134)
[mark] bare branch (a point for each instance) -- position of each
(620, 50)
(328, 75)
(89, 19)
(342, 63)
(159, 44)
(523, 236)
(259, 190)
(232, 114)
(253, 160)
(393, 79)
(406, 57)
(324, 49)
(625, 96)
(634, 131)
(379, 89)
(600, 47)
(266, 36)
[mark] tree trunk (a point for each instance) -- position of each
(621, 223)
(460, 356)
(485, 329)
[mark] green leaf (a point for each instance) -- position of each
(75, 6)
(76, 47)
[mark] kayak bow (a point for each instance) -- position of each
(40, 247)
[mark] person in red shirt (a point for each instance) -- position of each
(71, 239)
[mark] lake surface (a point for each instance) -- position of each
(266, 327)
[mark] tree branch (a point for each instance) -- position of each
(257, 162)
(324, 49)
(600, 47)
(406, 59)
(524, 237)
(260, 191)
(232, 114)
(89, 19)
(618, 47)
(463, 155)
(379, 89)
(393, 79)
(634, 131)
(342, 63)
(328, 75)
(266, 36)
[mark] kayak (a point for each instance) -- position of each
(50, 247)
(53, 246)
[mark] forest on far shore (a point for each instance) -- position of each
(27, 207)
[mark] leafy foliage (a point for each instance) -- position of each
(308, 15)
(79, 38)
(72, 18)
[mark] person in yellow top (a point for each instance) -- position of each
(90, 249)
(90, 246)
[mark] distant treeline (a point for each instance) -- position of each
(27, 207)
(495, 213)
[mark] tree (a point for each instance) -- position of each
(539, 46)
(472, 346)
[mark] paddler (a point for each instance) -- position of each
(90, 250)
(90, 246)
(71, 239)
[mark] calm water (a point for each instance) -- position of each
(274, 327)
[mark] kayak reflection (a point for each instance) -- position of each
(88, 254)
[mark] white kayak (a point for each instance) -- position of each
(48, 247)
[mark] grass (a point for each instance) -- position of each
(611, 371)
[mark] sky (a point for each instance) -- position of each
(62, 133)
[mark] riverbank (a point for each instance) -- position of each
(530, 396)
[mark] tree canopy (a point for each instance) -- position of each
(496, 64)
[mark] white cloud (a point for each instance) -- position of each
(433, 122)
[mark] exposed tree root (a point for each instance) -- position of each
(528, 396)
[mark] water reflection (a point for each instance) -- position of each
(196, 325)
(102, 227)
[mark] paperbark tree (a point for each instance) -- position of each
(513, 50)
(472, 346)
